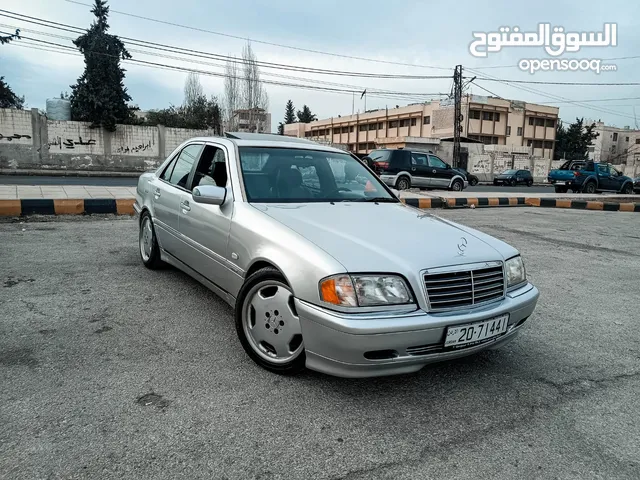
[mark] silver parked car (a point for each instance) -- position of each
(324, 266)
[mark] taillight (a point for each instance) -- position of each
(576, 173)
(381, 165)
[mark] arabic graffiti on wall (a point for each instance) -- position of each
(69, 143)
(143, 147)
(15, 136)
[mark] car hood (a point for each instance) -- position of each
(386, 237)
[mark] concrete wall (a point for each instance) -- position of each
(29, 140)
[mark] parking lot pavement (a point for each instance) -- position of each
(109, 370)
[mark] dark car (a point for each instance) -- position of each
(636, 185)
(472, 179)
(403, 169)
(590, 177)
(514, 177)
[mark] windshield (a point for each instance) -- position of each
(277, 175)
(509, 172)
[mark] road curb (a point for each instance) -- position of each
(64, 206)
(466, 202)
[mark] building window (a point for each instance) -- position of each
(487, 116)
(509, 131)
(529, 143)
(351, 129)
(307, 134)
(488, 139)
(531, 120)
(426, 120)
(373, 126)
(551, 123)
(519, 133)
(539, 122)
(548, 144)
(404, 123)
(362, 128)
(537, 144)
(496, 117)
(413, 122)
(362, 146)
(393, 124)
(592, 149)
(345, 129)
(371, 146)
(615, 136)
(626, 139)
(352, 147)
(474, 114)
(336, 131)
(380, 125)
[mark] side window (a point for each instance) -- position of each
(418, 159)
(436, 162)
(166, 175)
(212, 168)
(603, 169)
(184, 164)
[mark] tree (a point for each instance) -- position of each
(289, 113)
(254, 95)
(9, 38)
(192, 89)
(8, 99)
(305, 115)
(231, 99)
(573, 143)
(280, 128)
(202, 114)
(100, 96)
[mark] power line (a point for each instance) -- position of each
(488, 91)
(308, 50)
(597, 100)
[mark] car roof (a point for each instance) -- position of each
(242, 139)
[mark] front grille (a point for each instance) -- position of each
(465, 288)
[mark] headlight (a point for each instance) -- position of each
(364, 290)
(515, 271)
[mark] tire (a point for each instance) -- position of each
(148, 243)
(529, 183)
(561, 189)
(403, 183)
(457, 185)
(513, 183)
(627, 189)
(268, 326)
(590, 187)
(495, 183)
(473, 181)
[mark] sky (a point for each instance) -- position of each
(430, 37)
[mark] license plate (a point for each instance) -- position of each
(476, 332)
(560, 183)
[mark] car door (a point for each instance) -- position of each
(605, 181)
(616, 178)
(440, 175)
(167, 191)
(420, 172)
(205, 228)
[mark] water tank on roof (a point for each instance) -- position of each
(58, 109)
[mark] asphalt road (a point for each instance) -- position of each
(132, 182)
(109, 370)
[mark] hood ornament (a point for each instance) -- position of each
(462, 246)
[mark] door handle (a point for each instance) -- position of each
(156, 193)
(185, 206)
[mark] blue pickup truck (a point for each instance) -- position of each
(586, 176)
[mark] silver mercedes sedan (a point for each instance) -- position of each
(325, 267)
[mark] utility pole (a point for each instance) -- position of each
(457, 114)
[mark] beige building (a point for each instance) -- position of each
(614, 144)
(490, 120)
(256, 120)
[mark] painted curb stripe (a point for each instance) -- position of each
(10, 208)
(100, 205)
(68, 207)
(124, 206)
(37, 206)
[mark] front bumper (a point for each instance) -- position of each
(336, 343)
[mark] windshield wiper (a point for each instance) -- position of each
(378, 200)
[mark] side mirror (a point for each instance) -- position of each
(448, 166)
(209, 194)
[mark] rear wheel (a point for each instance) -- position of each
(495, 183)
(590, 187)
(529, 183)
(512, 182)
(267, 323)
(148, 243)
(457, 185)
(403, 183)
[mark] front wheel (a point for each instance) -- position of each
(561, 189)
(267, 323)
(512, 183)
(529, 183)
(627, 189)
(473, 181)
(457, 185)
(403, 183)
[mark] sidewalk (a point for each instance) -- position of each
(55, 192)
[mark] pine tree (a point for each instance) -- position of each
(100, 96)
(8, 99)
(305, 115)
(289, 113)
